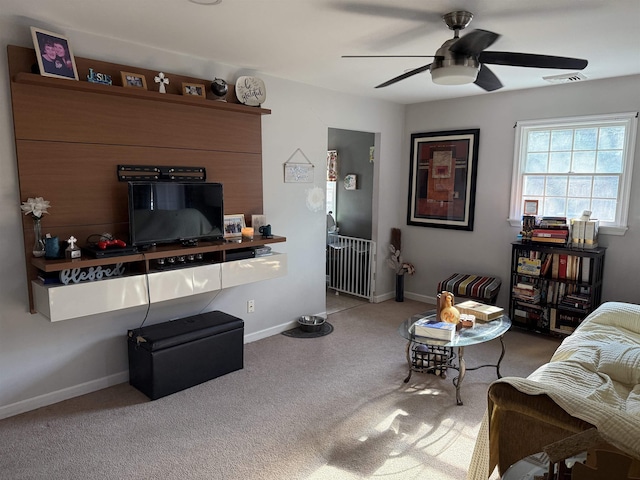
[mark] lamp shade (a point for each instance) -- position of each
(454, 75)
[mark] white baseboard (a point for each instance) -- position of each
(411, 296)
(64, 394)
(268, 332)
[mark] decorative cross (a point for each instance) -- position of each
(160, 78)
(72, 241)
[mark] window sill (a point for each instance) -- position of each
(610, 230)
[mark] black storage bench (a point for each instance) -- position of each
(172, 356)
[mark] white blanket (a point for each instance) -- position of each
(594, 375)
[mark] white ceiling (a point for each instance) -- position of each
(303, 40)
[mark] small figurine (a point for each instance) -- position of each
(162, 80)
(448, 313)
(219, 88)
(72, 251)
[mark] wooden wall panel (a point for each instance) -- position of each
(43, 113)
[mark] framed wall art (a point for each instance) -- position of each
(53, 51)
(298, 172)
(442, 180)
(350, 181)
(133, 80)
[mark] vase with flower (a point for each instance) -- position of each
(397, 263)
(36, 207)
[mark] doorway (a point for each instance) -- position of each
(350, 183)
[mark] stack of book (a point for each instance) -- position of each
(551, 230)
(578, 301)
(584, 233)
(526, 292)
(430, 327)
(482, 311)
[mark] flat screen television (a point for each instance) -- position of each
(172, 212)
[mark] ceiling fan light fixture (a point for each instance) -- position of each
(454, 75)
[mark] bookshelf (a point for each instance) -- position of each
(553, 288)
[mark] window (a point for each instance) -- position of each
(570, 165)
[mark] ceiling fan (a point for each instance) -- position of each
(463, 60)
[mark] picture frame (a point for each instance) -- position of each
(194, 89)
(133, 80)
(530, 208)
(233, 225)
(350, 181)
(54, 54)
(258, 221)
(442, 179)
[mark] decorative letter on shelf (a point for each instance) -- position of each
(296, 172)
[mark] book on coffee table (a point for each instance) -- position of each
(432, 328)
(482, 311)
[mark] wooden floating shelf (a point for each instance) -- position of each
(151, 254)
(80, 86)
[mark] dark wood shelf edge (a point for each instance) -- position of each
(156, 252)
(34, 79)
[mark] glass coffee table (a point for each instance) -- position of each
(430, 355)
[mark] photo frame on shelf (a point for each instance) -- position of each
(233, 225)
(133, 80)
(530, 207)
(258, 221)
(194, 90)
(442, 180)
(54, 54)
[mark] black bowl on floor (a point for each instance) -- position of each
(311, 323)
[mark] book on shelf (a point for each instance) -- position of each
(551, 222)
(430, 327)
(554, 240)
(529, 266)
(550, 233)
(586, 269)
(482, 311)
(584, 233)
(591, 234)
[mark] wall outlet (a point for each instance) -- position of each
(251, 306)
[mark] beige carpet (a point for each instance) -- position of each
(333, 407)
(337, 302)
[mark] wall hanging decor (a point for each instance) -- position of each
(298, 172)
(332, 165)
(350, 181)
(442, 184)
(315, 199)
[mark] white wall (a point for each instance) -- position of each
(43, 362)
(437, 253)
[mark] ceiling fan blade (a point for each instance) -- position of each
(411, 73)
(474, 42)
(532, 60)
(388, 56)
(386, 11)
(487, 80)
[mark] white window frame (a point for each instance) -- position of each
(630, 119)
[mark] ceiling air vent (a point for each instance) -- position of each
(565, 78)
